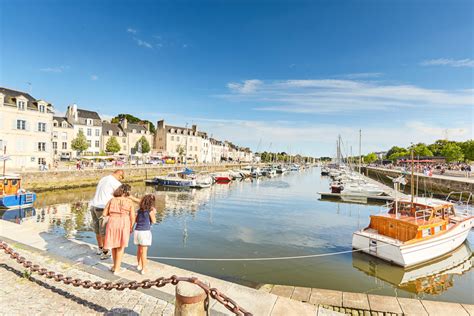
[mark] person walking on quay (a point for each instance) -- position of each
(103, 194)
(121, 218)
(142, 237)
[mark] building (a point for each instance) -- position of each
(127, 135)
(178, 142)
(25, 129)
(90, 124)
(63, 134)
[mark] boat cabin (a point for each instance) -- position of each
(406, 221)
(9, 185)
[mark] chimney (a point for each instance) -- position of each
(74, 112)
(194, 128)
(124, 123)
(160, 124)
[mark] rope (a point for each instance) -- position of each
(267, 258)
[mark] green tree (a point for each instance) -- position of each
(144, 144)
(180, 149)
(394, 150)
(438, 146)
(372, 157)
(398, 155)
(79, 143)
(452, 152)
(468, 149)
(112, 145)
(421, 150)
(133, 119)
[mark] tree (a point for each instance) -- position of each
(142, 145)
(452, 152)
(421, 150)
(438, 146)
(112, 145)
(398, 155)
(79, 143)
(132, 119)
(370, 158)
(468, 149)
(180, 149)
(394, 150)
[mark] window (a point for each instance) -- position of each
(41, 161)
(89, 143)
(63, 136)
(110, 133)
(21, 105)
(64, 124)
(41, 108)
(134, 130)
(21, 124)
(89, 132)
(97, 132)
(177, 138)
(172, 138)
(55, 134)
(89, 122)
(97, 143)
(64, 145)
(41, 146)
(55, 145)
(55, 124)
(41, 127)
(124, 140)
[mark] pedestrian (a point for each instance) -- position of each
(103, 194)
(146, 215)
(120, 216)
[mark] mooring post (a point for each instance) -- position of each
(190, 300)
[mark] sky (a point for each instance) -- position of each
(272, 75)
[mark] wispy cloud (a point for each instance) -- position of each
(362, 75)
(94, 77)
(142, 43)
(130, 30)
(449, 62)
(58, 69)
(332, 95)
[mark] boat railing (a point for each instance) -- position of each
(422, 214)
(464, 202)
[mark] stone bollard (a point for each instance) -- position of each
(190, 300)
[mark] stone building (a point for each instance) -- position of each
(90, 124)
(127, 134)
(25, 129)
(63, 134)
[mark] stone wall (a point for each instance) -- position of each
(67, 179)
(437, 185)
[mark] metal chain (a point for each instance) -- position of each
(228, 303)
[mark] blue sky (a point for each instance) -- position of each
(293, 74)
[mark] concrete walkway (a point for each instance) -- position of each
(79, 257)
(435, 176)
(368, 304)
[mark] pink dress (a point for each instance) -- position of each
(117, 232)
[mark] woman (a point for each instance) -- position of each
(121, 218)
(146, 216)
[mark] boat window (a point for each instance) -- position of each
(14, 182)
(437, 229)
(5, 182)
(426, 232)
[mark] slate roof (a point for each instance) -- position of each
(137, 127)
(60, 120)
(88, 114)
(114, 127)
(10, 94)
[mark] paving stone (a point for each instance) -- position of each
(387, 304)
(301, 294)
(283, 290)
(442, 308)
(266, 288)
(355, 300)
(411, 306)
(285, 306)
(469, 308)
(325, 297)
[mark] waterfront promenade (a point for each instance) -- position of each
(77, 259)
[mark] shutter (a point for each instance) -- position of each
(27, 126)
(14, 124)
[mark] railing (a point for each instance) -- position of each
(425, 213)
(464, 204)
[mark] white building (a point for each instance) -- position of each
(25, 129)
(127, 135)
(63, 134)
(90, 124)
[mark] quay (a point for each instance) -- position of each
(76, 259)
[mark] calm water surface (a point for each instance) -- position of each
(275, 217)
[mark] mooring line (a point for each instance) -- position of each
(267, 258)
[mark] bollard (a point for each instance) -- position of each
(190, 300)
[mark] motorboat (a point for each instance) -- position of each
(281, 169)
(12, 195)
(203, 181)
(174, 179)
(415, 230)
(324, 171)
(361, 189)
(222, 178)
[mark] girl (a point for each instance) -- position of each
(121, 217)
(146, 216)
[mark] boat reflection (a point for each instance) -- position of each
(18, 215)
(433, 278)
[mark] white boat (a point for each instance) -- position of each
(175, 179)
(203, 181)
(413, 232)
(361, 189)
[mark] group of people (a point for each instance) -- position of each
(115, 218)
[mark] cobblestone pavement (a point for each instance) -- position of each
(41, 296)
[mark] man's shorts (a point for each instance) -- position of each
(97, 220)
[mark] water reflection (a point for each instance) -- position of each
(433, 278)
(19, 215)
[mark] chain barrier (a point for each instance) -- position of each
(223, 299)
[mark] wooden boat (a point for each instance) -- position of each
(414, 231)
(12, 195)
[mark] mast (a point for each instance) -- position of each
(360, 148)
(412, 187)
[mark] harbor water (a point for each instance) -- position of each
(271, 217)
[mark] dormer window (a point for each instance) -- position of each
(134, 130)
(41, 108)
(110, 133)
(55, 124)
(21, 105)
(142, 132)
(89, 122)
(64, 124)
(120, 133)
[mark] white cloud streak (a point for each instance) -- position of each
(334, 95)
(142, 43)
(130, 30)
(363, 75)
(449, 62)
(94, 77)
(58, 69)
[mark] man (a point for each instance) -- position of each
(104, 192)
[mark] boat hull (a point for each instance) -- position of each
(17, 200)
(222, 179)
(411, 254)
(174, 183)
